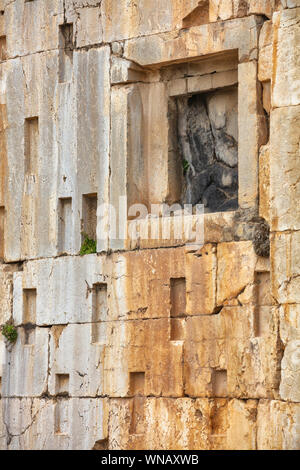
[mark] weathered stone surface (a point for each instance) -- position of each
(286, 73)
(265, 60)
(77, 352)
(286, 267)
(232, 344)
(207, 128)
(202, 424)
(155, 339)
(143, 346)
(75, 423)
(252, 133)
(29, 355)
(235, 261)
(195, 42)
(53, 304)
(278, 425)
(290, 377)
(264, 182)
(284, 168)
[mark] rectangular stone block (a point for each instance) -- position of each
(278, 425)
(32, 26)
(142, 346)
(195, 42)
(236, 260)
(191, 424)
(224, 356)
(265, 58)
(284, 168)
(58, 302)
(286, 74)
(25, 371)
(73, 354)
(285, 267)
(34, 423)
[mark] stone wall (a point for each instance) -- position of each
(150, 343)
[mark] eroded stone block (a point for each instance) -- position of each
(25, 371)
(85, 422)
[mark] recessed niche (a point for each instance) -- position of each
(31, 144)
(29, 306)
(62, 384)
(263, 288)
(136, 383)
(2, 48)
(99, 311)
(89, 216)
(65, 52)
(64, 225)
(177, 332)
(204, 145)
(178, 296)
(219, 383)
(29, 334)
(61, 417)
(137, 415)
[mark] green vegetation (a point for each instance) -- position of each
(185, 166)
(88, 246)
(10, 332)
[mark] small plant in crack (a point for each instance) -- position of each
(185, 166)
(10, 332)
(88, 245)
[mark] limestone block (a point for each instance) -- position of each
(278, 425)
(254, 369)
(261, 7)
(290, 377)
(33, 198)
(252, 133)
(242, 428)
(141, 354)
(64, 289)
(265, 51)
(92, 71)
(264, 182)
(289, 322)
(88, 26)
(76, 359)
(290, 3)
(197, 41)
(6, 291)
(65, 424)
(127, 19)
(123, 71)
(284, 168)
(126, 135)
(220, 10)
(201, 281)
(184, 424)
(29, 186)
(227, 355)
(286, 75)
(32, 26)
(147, 283)
(285, 267)
(236, 262)
(25, 371)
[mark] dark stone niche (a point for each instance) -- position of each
(207, 145)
